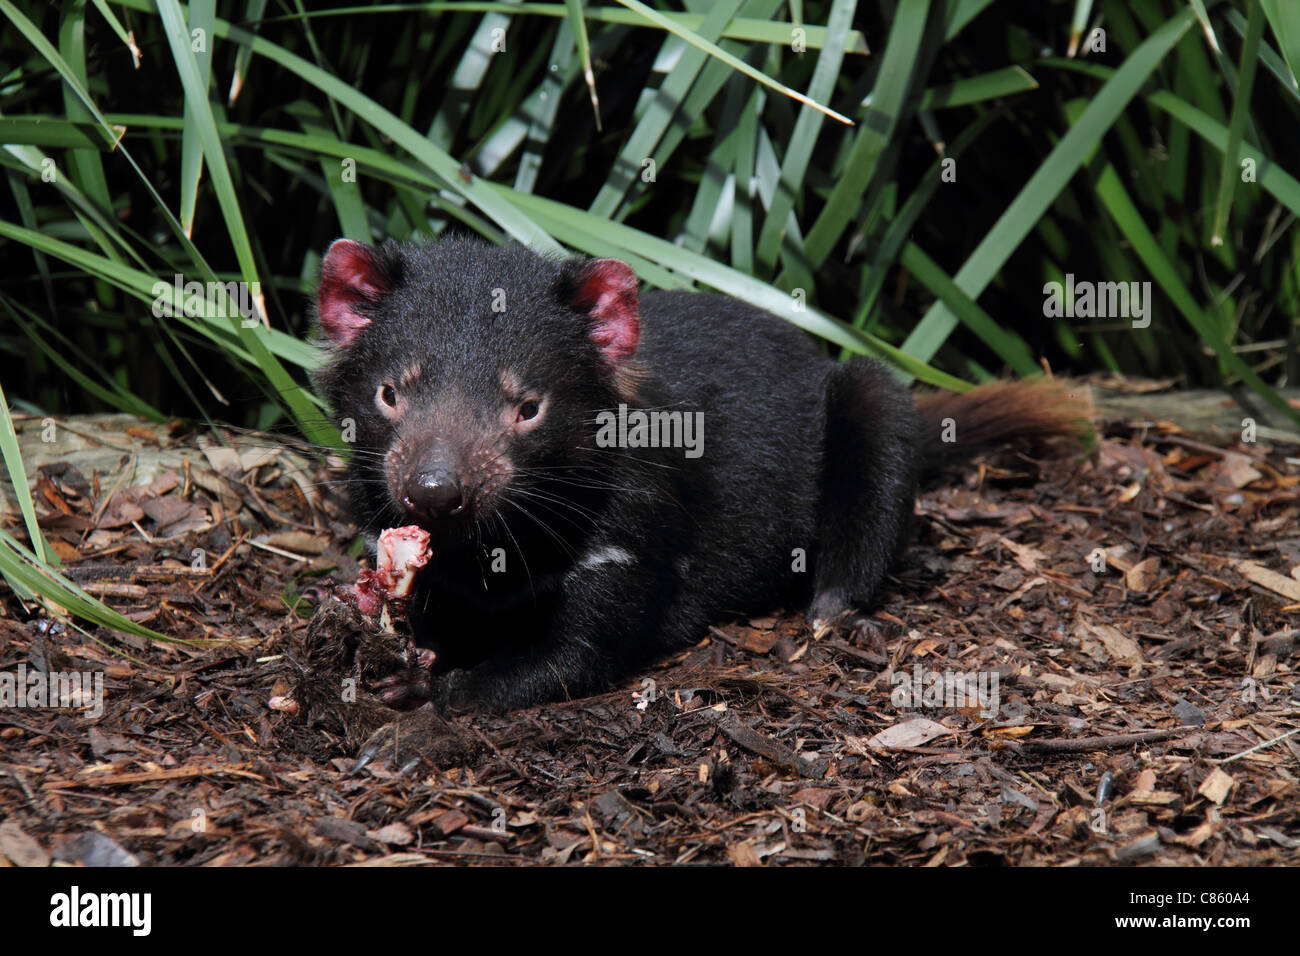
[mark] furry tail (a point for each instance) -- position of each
(958, 424)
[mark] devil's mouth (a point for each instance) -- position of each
(442, 526)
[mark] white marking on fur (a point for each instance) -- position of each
(598, 556)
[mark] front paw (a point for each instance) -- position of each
(409, 685)
(829, 610)
(852, 625)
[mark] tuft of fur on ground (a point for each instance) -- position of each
(343, 653)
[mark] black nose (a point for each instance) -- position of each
(434, 494)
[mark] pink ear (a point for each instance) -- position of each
(606, 290)
(351, 276)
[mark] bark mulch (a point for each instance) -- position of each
(1125, 620)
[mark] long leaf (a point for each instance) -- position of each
(18, 478)
(1240, 110)
(201, 13)
(695, 40)
(1284, 18)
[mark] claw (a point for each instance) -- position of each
(408, 766)
(381, 746)
(409, 684)
(395, 694)
(365, 755)
(821, 626)
(867, 632)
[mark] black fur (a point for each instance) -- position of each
(802, 494)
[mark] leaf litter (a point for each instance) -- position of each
(1082, 660)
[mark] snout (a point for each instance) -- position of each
(445, 483)
(434, 494)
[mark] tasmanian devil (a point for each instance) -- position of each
(604, 474)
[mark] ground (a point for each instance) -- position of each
(1135, 604)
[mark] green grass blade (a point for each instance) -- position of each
(18, 477)
(1240, 109)
(1276, 180)
(57, 348)
(542, 107)
(201, 13)
(1082, 11)
(20, 565)
(249, 332)
(446, 168)
(209, 323)
(1009, 346)
(27, 213)
(283, 387)
(346, 196)
(85, 164)
(204, 125)
(1268, 57)
(742, 220)
(128, 39)
(467, 79)
(960, 13)
(244, 58)
(1284, 18)
(714, 205)
(900, 229)
(112, 238)
(978, 89)
(579, 26)
(1206, 27)
(56, 132)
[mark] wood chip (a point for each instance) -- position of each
(448, 823)
(744, 854)
(910, 733)
(756, 641)
(1143, 575)
(19, 848)
(1237, 470)
(1154, 798)
(1119, 646)
(1027, 556)
(1215, 787)
(1277, 583)
(394, 834)
(298, 542)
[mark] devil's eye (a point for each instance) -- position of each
(388, 395)
(529, 410)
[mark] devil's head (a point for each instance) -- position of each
(468, 376)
